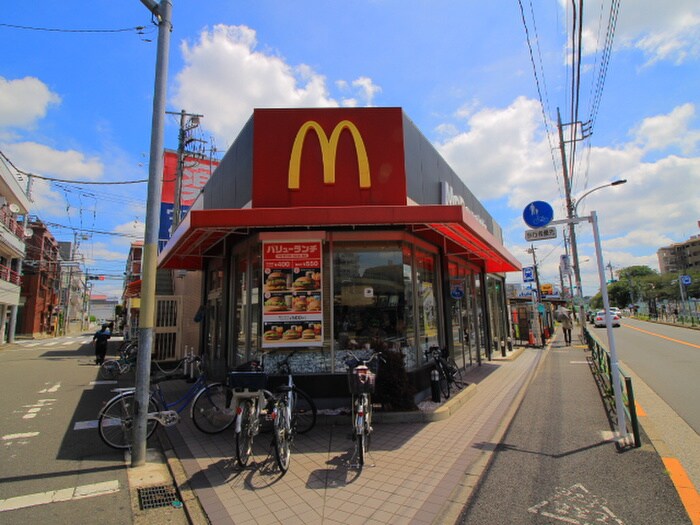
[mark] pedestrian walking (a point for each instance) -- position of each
(100, 341)
(567, 325)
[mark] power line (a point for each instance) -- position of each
(138, 29)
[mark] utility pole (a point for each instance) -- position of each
(184, 140)
(162, 11)
(570, 213)
(609, 266)
(535, 322)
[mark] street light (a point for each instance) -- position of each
(613, 183)
(572, 213)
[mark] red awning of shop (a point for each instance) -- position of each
(452, 227)
(133, 289)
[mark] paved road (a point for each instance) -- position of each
(47, 390)
(664, 362)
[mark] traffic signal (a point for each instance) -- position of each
(96, 277)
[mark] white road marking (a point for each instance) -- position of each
(50, 389)
(578, 362)
(53, 496)
(8, 437)
(84, 425)
(577, 506)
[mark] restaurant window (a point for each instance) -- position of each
(371, 299)
(427, 302)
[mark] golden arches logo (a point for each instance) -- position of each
(329, 148)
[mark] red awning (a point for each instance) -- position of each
(453, 227)
(133, 289)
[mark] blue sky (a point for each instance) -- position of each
(76, 105)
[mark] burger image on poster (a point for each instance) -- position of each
(305, 282)
(276, 281)
(275, 304)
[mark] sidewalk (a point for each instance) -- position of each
(425, 472)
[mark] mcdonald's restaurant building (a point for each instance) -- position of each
(335, 229)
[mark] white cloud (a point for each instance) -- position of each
(662, 131)
(662, 33)
(502, 152)
(24, 101)
(503, 156)
(225, 78)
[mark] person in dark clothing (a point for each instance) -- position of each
(100, 340)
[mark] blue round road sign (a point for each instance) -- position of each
(538, 214)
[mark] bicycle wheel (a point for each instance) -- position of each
(116, 421)
(303, 412)
(456, 374)
(244, 438)
(444, 382)
(362, 435)
(110, 369)
(282, 435)
(209, 411)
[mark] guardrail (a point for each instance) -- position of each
(601, 360)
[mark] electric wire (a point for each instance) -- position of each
(543, 106)
(138, 29)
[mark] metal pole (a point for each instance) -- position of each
(162, 11)
(614, 366)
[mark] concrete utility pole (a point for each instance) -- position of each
(183, 141)
(572, 228)
(163, 14)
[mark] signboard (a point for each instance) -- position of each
(541, 234)
(341, 157)
(686, 280)
(195, 174)
(528, 274)
(564, 264)
(538, 214)
(292, 301)
(457, 290)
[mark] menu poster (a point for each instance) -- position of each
(292, 315)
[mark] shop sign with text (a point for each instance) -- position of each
(292, 297)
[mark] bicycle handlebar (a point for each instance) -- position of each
(358, 360)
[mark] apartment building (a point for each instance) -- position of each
(14, 205)
(680, 257)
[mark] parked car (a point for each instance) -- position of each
(599, 320)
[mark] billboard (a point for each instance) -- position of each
(195, 174)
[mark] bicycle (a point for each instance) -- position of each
(249, 397)
(450, 373)
(208, 412)
(113, 368)
(303, 408)
(361, 382)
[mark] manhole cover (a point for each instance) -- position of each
(156, 497)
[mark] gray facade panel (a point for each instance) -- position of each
(426, 170)
(231, 184)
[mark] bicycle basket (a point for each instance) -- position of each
(361, 381)
(247, 380)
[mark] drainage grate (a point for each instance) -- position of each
(156, 497)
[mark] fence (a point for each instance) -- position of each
(601, 361)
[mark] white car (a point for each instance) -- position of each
(616, 311)
(599, 320)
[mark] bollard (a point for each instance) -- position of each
(503, 348)
(510, 344)
(435, 386)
